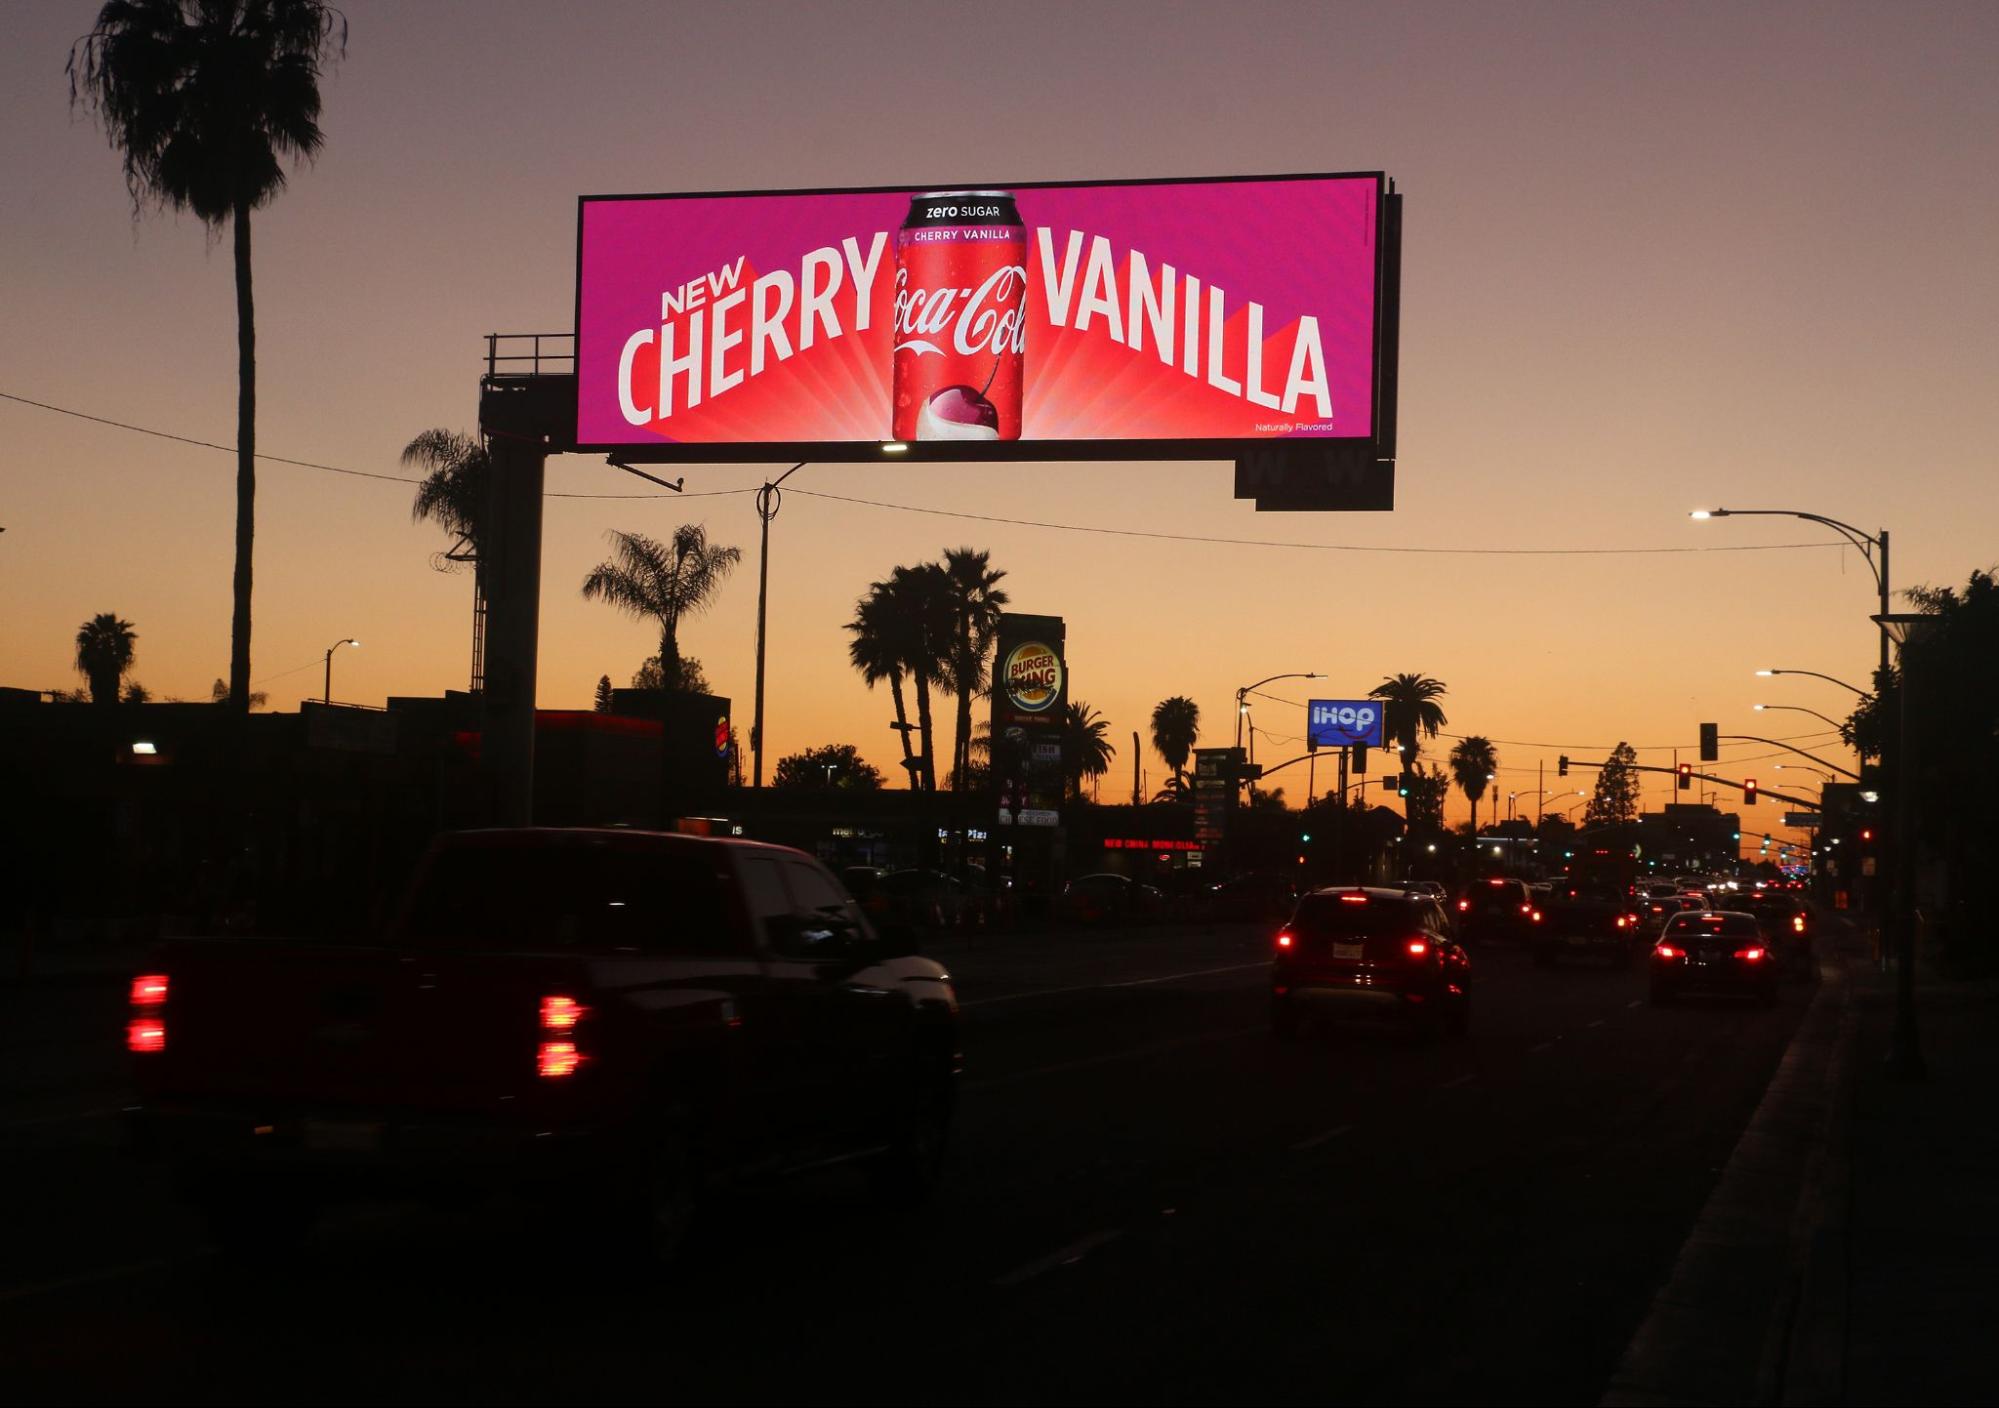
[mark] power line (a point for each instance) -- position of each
(974, 517)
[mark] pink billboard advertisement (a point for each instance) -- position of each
(951, 319)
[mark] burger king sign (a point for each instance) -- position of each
(1032, 677)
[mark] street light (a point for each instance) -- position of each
(1817, 676)
(1242, 696)
(1866, 542)
(1797, 709)
(769, 500)
(327, 696)
(1905, 1055)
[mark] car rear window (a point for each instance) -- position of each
(1727, 926)
(1319, 916)
(580, 897)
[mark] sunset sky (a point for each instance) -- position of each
(1656, 257)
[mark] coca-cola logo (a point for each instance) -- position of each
(989, 319)
(1032, 677)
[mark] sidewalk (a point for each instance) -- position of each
(1848, 1252)
(1922, 1238)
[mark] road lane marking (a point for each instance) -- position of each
(10, 1294)
(1099, 987)
(1465, 1079)
(1544, 1046)
(75, 1117)
(1112, 1057)
(1597, 1023)
(1636, 1002)
(1316, 1140)
(1068, 1256)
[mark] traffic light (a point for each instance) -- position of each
(1748, 791)
(1710, 743)
(1389, 783)
(1562, 766)
(1686, 777)
(1304, 837)
(1360, 760)
(1402, 785)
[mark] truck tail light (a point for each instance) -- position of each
(561, 1014)
(557, 1059)
(147, 1029)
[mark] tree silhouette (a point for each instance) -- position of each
(837, 767)
(104, 651)
(665, 582)
(1176, 727)
(976, 604)
(1416, 714)
(208, 100)
(1086, 747)
(880, 649)
(1473, 763)
(602, 701)
(1616, 797)
(457, 480)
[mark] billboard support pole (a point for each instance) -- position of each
(768, 501)
(510, 556)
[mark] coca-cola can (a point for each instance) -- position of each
(960, 317)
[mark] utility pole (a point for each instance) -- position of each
(1137, 784)
(768, 502)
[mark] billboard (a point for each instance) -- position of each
(1148, 319)
(1342, 723)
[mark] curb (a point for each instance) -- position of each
(1754, 1309)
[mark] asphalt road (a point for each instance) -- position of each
(1150, 1200)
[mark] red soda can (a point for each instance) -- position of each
(960, 317)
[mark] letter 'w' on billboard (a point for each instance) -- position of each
(1710, 743)
(980, 322)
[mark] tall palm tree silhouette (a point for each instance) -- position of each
(976, 604)
(665, 582)
(1086, 746)
(1416, 714)
(924, 596)
(1176, 727)
(458, 476)
(208, 99)
(880, 650)
(1473, 762)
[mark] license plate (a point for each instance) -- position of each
(342, 1136)
(1348, 950)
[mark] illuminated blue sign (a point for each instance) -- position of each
(1342, 723)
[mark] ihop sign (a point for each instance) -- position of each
(1343, 723)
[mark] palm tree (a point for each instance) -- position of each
(976, 605)
(1086, 746)
(1176, 726)
(218, 693)
(923, 595)
(1473, 763)
(104, 653)
(458, 477)
(879, 648)
(663, 581)
(1416, 711)
(208, 99)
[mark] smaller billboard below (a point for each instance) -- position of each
(1802, 820)
(1343, 723)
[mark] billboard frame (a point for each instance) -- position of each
(1306, 452)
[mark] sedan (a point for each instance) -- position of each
(1714, 951)
(1109, 899)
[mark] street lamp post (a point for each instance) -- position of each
(1829, 679)
(1242, 700)
(768, 502)
(1905, 1054)
(326, 695)
(1796, 709)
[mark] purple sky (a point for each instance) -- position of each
(1657, 256)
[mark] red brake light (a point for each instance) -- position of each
(1665, 951)
(558, 1058)
(1464, 904)
(1623, 922)
(1537, 916)
(149, 989)
(1353, 899)
(1418, 947)
(146, 1034)
(1798, 923)
(1495, 882)
(1284, 938)
(559, 1014)
(1752, 954)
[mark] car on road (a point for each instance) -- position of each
(1713, 951)
(1654, 914)
(614, 1022)
(927, 900)
(1578, 923)
(1790, 923)
(1495, 910)
(1109, 898)
(1258, 895)
(1369, 954)
(1428, 889)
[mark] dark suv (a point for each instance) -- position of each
(1369, 954)
(1789, 922)
(1497, 909)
